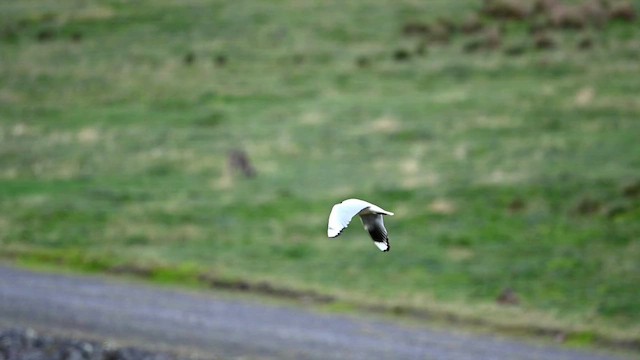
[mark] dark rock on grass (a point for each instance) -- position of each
(220, 60)
(401, 55)
(585, 43)
(27, 344)
(45, 34)
(76, 36)
(239, 163)
(363, 62)
(516, 205)
(189, 58)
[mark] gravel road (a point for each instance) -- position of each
(28, 344)
(212, 326)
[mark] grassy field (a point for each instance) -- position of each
(512, 167)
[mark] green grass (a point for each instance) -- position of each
(503, 171)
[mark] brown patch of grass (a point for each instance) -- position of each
(506, 9)
(516, 205)
(613, 210)
(471, 24)
(623, 11)
(515, 50)
(491, 39)
(46, 34)
(587, 206)
(632, 190)
(585, 96)
(568, 17)
(220, 60)
(189, 58)
(88, 135)
(9, 33)
(385, 125)
(363, 62)
(543, 7)
(585, 43)
(439, 34)
(539, 25)
(136, 270)
(472, 46)
(595, 12)
(415, 28)
(543, 17)
(508, 297)
(447, 24)
(544, 41)
(312, 119)
(459, 253)
(410, 166)
(94, 12)
(442, 207)
(264, 288)
(76, 36)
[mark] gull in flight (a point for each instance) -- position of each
(371, 216)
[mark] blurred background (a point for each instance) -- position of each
(205, 142)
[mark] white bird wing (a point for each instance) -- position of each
(342, 213)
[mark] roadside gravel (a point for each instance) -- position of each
(27, 344)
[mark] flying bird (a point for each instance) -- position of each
(371, 216)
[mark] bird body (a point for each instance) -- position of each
(370, 215)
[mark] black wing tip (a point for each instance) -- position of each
(378, 235)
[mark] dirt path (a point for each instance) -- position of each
(228, 328)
